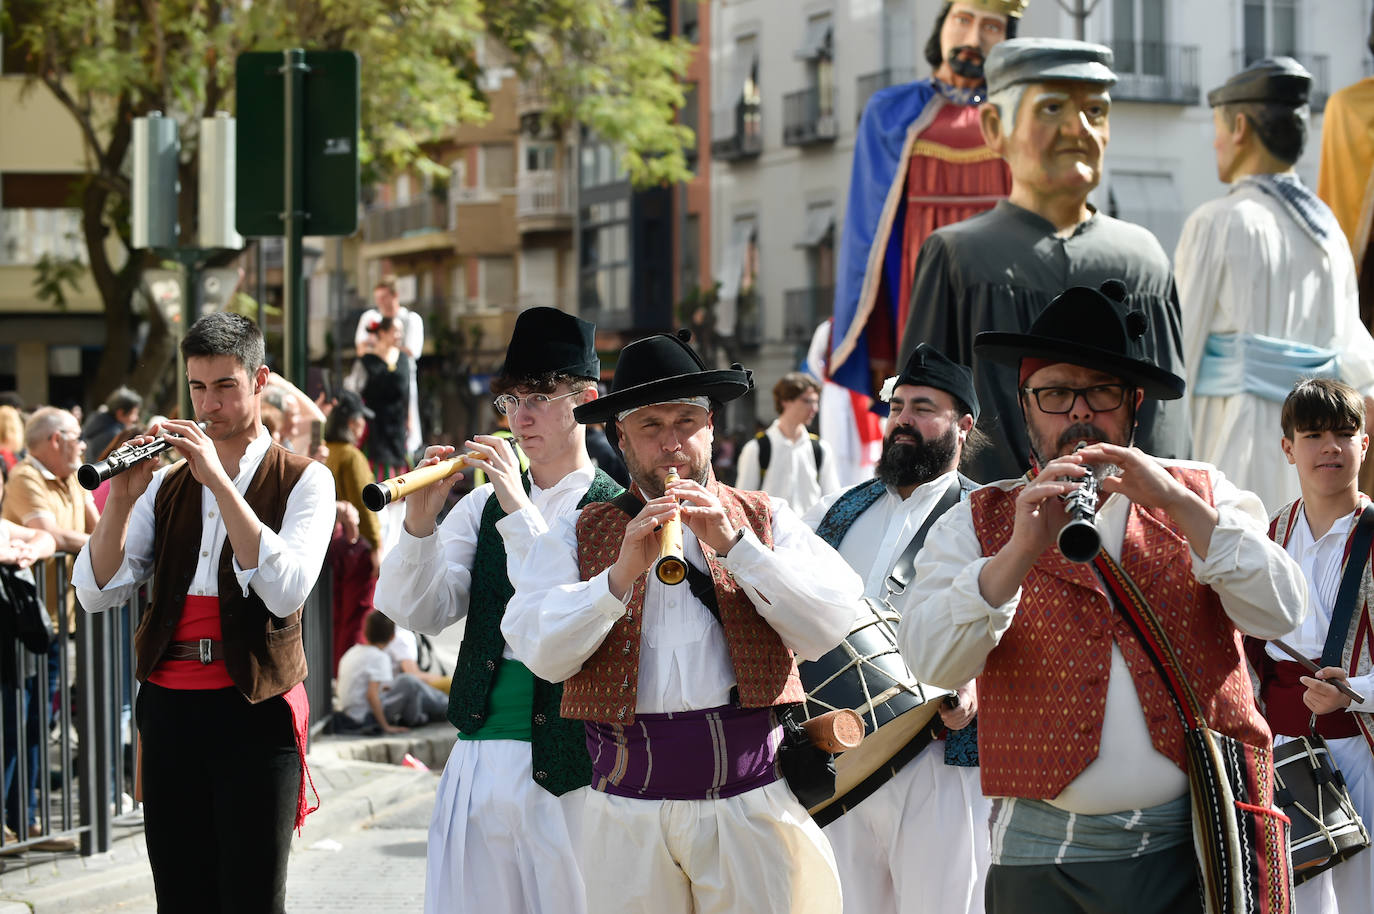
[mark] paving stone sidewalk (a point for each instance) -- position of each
(358, 779)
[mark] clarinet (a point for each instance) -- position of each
(91, 475)
(1079, 540)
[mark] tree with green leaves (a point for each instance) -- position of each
(605, 65)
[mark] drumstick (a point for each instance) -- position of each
(1340, 685)
(835, 731)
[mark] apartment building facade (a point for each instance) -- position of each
(791, 77)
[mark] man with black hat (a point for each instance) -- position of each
(680, 684)
(1068, 697)
(1047, 115)
(1266, 283)
(505, 816)
(919, 163)
(919, 841)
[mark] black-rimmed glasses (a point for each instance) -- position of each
(1101, 398)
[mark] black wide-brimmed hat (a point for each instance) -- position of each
(929, 367)
(660, 368)
(1092, 328)
(547, 341)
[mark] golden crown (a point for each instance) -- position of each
(1012, 8)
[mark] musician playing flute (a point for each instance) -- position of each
(920, 841)
(1325, 438)
(680, 685)
(1080, 747)
(233, 537)
(505, 823)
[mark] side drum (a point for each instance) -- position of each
(866, 673)
(1310, 790)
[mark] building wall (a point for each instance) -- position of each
(1159, 163)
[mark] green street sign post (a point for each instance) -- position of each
(297, 164)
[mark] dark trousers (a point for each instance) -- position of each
(220, 783)
(1165, 882)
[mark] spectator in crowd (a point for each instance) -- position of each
(119, 412)
(20, 547)
(404, 651)
(298, 413)
(12, 398)
(412, 343)
(42, 493)
(354, 552)
(372, 696)
(389, 370)
(11, 438)
(784, 459)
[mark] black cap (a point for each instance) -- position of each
(1043, 60)
(1088, 327)
(546, 340)
(349, 404)
(929, 367)
(1273, 80)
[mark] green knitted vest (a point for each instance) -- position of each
(559, 748)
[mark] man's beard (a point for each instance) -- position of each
(968, 69)
(914, 464)
(698, 471)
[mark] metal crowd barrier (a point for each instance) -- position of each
(88, 766)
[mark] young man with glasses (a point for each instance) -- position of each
(509, 804)
(1068, 697)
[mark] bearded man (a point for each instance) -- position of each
(919, 842)
(920, 162)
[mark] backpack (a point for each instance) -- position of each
(766, 454)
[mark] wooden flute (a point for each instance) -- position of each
(670, 568)
(378, 495)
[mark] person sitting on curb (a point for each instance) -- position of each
(373, 697)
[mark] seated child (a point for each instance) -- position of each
(372, 696)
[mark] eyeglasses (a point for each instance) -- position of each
(506, 404)
(68, 435)
(1101, 398)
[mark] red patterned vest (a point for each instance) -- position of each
(605, 689)
(1043, 691)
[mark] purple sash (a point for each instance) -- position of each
(689, 755)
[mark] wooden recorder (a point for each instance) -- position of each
(670, 568)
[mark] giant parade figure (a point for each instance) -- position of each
(919, 163)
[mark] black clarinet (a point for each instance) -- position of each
(91, 475)
(1079, 539)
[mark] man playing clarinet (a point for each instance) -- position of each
(1068, 697)
(504, 830)
(233, 537)
(680, 684)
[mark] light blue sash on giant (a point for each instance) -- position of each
(1263, 366)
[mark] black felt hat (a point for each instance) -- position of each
(660, 368)
(349, 404)
(546, 340)
(1092, 328)
(1043, 60)
(1273, 80)
(929, 367)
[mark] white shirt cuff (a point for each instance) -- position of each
(969, 605)
(270, 548)
(605, 602)
(414, 550)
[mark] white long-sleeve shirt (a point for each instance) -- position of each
(791, 473)
(289, 561)
(801, 587)
(948, 629)
(425, 581)
(1320, 561)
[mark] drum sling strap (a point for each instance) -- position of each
(1349, 591)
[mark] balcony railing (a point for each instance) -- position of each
(872, 82)
(414, 218)
(737, 132)
(544, 197)
(1319, 65)
(806, 119)
(1152, 71)
(803, 310)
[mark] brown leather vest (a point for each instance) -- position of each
(262, 651)
(606, 687)
(1042, 694)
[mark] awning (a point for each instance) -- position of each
(820, 224)
(817, 40)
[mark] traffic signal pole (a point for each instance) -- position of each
(295, 308)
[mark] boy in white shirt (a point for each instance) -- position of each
(372, 696)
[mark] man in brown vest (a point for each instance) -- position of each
(1080, 745)
(233, 536)
(679, 684)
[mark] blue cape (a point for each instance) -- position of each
(877, 154)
